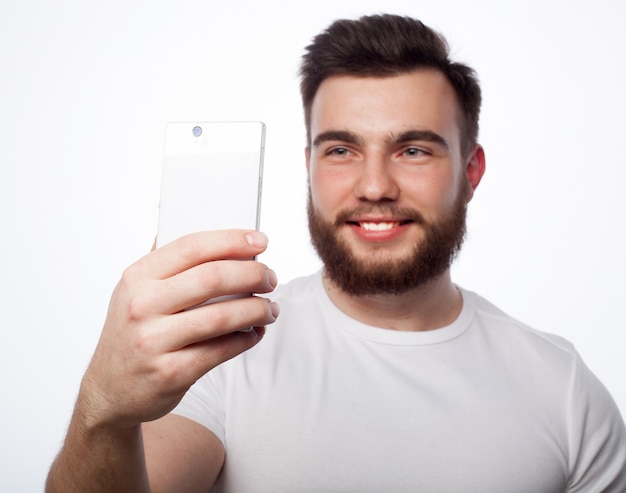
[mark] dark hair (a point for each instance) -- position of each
(386, 45)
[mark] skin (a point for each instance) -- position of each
(393, 141)
(150, 352)
(121, 437)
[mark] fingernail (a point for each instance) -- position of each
(271, 278)
(275, 309)
(256, 239)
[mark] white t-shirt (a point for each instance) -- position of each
(488, 405)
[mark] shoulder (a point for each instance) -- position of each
(548, 360)
(497, 324)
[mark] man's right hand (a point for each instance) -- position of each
(151, 349)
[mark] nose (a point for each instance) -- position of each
(376, 181)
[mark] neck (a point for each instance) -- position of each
(433, 305)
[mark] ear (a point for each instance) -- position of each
(475, 169)
(307, 156)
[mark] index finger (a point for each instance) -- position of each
(197, 248)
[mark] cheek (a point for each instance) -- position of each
(458, 189)
(328, 189)
(323, 199)
(433, 193)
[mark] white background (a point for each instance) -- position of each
(86, 89)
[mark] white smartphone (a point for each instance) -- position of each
(212, 177)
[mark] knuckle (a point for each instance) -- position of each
(141, 348)
(138, 307)
(168, 374)
(236, 314)
(260, 274)
(127, 279)
(219, 244)
(236, 238)
(262, 312)
(132, 303)
(188, 247)
(211, 277)
(218, 316)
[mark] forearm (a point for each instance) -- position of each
(152, 350)
(98, 460)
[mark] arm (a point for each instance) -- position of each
(181, 455)
(597, 436)
(151, 351)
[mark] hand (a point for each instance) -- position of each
(151, 350)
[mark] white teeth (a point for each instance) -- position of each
(378, 226)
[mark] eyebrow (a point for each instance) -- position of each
(341, 135)
(408, 136)
(423, 135)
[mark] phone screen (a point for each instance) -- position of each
(212, 177)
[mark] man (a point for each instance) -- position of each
(380, 374)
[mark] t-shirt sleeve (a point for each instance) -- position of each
(203, 403)
(597, 436)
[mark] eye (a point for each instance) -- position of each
(414, 152)
(338, 151)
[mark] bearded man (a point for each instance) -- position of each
(380, 374)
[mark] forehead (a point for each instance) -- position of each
(422, 99)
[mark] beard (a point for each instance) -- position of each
(381, 272)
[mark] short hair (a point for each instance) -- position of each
(386, 45)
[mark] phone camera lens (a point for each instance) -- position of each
(197, 131)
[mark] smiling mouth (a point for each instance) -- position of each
(379, 225)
